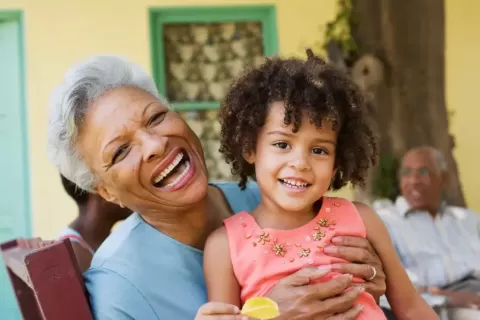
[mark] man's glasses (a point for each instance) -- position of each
(422, 172)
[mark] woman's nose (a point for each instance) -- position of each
(153, 146)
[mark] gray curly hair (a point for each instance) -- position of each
(81, 86)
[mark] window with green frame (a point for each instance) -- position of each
(197, 52)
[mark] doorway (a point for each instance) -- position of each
(15, 217)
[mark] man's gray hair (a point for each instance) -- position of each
(81, 86)
(440, 159)
(437, 155)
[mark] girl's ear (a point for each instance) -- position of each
(335, 170)
(250, 157)
(333, 178)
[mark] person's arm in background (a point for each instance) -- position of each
(113, 297)
(404, 299)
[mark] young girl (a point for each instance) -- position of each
(299, 128)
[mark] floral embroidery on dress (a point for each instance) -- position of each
(279, 248)
(263, 238)
(304, 252)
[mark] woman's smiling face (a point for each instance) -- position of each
(144, 155)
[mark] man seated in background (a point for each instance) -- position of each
(91, 227)
(438, 244)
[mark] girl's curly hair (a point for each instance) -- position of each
(312, 87)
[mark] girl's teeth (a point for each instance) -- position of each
(294, 183)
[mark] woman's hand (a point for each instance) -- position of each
(219, 311)
(297, 299)
(365, 262)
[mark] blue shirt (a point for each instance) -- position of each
(141, 273)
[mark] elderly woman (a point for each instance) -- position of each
(111, 133)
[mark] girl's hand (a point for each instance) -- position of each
(219, 311)
(298, 299)
(365, 262)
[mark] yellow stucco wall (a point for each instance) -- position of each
(58, 33)
(462, 71)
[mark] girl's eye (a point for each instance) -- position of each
(319, 151)
(156, 118)
(120, 153)
(281, 145)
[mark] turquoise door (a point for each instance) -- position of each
(14, 186)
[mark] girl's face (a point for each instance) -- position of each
(293, 170)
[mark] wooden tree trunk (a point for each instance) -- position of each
(408, 36)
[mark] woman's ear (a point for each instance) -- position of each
(105, 194)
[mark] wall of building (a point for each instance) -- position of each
(462, 71)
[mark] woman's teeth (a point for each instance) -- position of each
(169, 169)
(180, 177)
(294, 183)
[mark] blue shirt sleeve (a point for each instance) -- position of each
(241, 200)
(113, 297)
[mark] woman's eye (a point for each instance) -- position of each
(119, 154)
(319, 151)
(156, 118)
(281, 145)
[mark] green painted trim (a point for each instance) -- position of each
(11, 15)
(189, 106)
(17, 15)
(267, 15)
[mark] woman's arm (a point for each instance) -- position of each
(404, 299)
(222, 286)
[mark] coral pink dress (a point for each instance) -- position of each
(261, 257)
